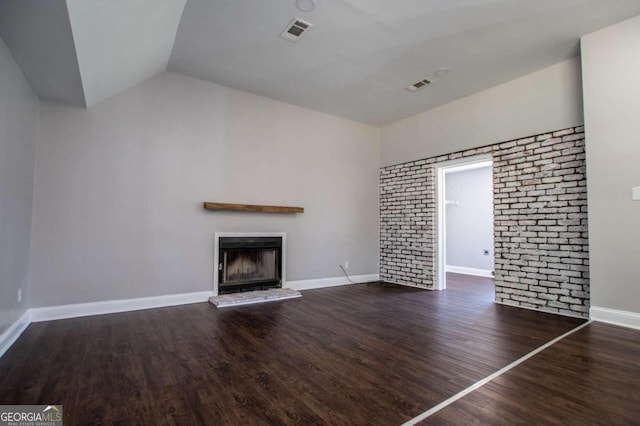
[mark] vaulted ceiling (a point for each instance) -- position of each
(354, 62)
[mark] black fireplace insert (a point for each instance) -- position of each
(249, 263)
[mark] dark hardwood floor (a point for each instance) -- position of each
(591, 377)
(362, 354)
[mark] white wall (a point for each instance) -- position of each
(469, 223)
(18, 136)
(611, 66)
(119, 189)
(546, 100)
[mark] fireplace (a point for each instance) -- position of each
(249, 262)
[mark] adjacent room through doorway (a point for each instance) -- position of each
(465, 210)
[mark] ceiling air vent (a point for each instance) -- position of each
(296, 29)
(418, 85)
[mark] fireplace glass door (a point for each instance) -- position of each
(249, 263)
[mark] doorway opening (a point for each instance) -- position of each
(465, 221)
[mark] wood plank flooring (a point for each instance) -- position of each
(591, 377)
(366, 354)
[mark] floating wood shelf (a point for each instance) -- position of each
(252, 208)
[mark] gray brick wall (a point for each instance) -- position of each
(540, 222)
(407, 211)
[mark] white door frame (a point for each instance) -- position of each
(442, 169)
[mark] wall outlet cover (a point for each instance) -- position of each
(635, 193)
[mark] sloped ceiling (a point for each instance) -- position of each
(121, 43)
(360, 54)
(80, 52)
(354, 62)
(38, 34)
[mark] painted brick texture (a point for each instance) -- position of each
(540, 222)
(407, 212)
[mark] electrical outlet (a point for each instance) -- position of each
(19, 295)
(486, 252)
(346, 264)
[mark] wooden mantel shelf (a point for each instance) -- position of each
(252, 208)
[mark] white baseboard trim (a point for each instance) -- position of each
(115, 306)
(50, 313)
(615, 317)
(330, 282)
(14, 331)
(469, 271)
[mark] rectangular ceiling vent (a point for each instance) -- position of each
(418, 85)
(296, 29)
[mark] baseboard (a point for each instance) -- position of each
(469, 271)
(615, 317)
(50, 313)
(14, 331)
(330, 282)
(115, 306)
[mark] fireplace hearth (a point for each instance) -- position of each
(247, 263)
